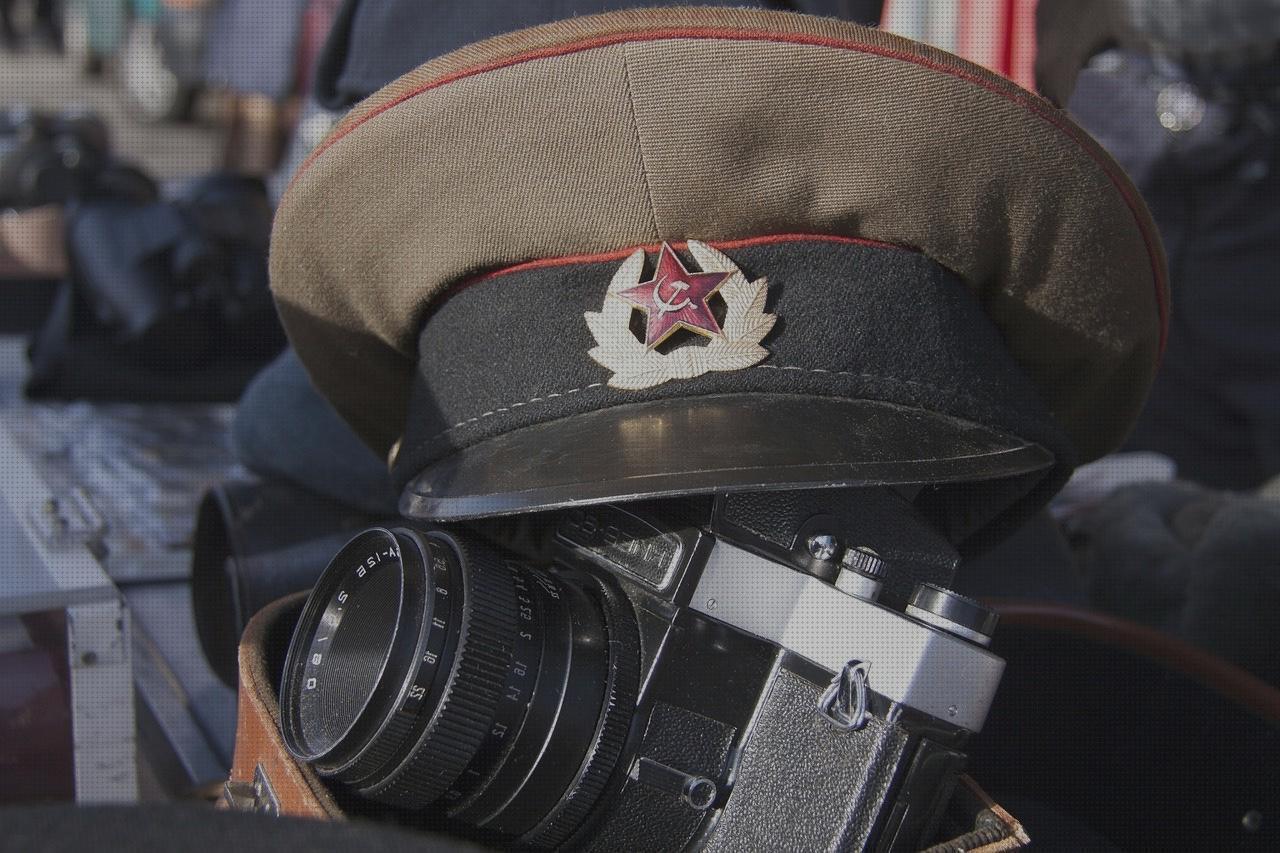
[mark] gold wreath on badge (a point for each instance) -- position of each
(676, 298)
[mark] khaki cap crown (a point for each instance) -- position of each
(627, 129)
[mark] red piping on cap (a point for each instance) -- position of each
(1008, 91)
(618, 254)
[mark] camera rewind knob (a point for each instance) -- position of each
(953, 613)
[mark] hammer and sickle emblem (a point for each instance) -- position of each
(664, 306)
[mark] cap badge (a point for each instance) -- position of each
(674, 299)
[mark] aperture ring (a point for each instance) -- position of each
(615, 722)
(433, 652)
(465, 710)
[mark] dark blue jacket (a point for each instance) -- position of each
(375, 41)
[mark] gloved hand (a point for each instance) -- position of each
(1203, 565)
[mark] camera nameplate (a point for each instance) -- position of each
(910, 663)
(618, 540)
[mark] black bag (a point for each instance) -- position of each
(256, 542)
(54, 159)
(167, 301)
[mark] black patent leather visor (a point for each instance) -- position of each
(722, 443)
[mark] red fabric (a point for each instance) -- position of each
(1226, 678)
(619, 254)
(316, 21)
(1000, 35)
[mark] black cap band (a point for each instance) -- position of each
(855, 322)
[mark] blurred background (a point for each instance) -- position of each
(156, 488)
(185, 86)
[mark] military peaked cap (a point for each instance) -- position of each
(676, 250)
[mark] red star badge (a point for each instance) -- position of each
(675, 299)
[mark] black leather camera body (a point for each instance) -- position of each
(751, 671)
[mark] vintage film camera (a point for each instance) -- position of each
(771, 670)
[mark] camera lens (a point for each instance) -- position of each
(357, 649)
(430, 673)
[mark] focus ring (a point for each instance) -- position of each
(611, 736)
(466, 708)
(380, 752)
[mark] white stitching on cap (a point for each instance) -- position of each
(510, 406)
(877, 377)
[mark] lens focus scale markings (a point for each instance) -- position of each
(511, 712)
(611, 729)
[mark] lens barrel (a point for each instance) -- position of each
(429, 673)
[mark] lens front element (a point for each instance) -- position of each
(356, 620)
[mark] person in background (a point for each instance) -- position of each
(373, 43)
(46, 24)
(1185, 94)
